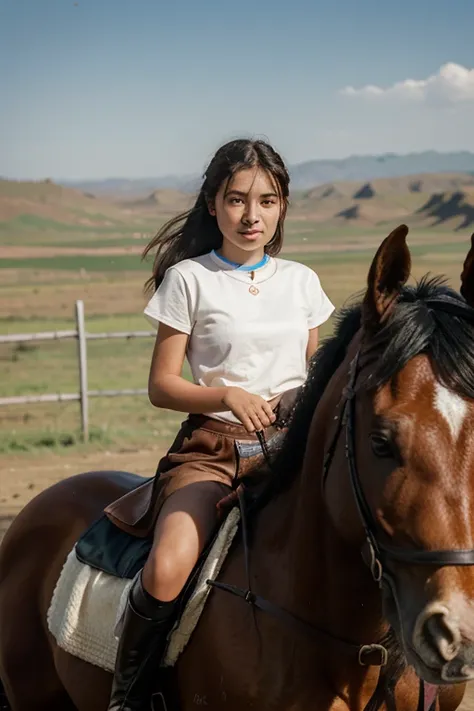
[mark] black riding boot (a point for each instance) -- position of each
(142, 644)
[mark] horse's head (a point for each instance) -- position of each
(408, 432)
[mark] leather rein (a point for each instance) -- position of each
(374, 552)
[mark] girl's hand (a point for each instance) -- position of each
(251, 410)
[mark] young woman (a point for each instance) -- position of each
(248, 324)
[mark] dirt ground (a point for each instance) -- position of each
(21, 478)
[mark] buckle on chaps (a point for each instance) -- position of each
(373, 655)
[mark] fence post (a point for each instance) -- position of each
(83, 386)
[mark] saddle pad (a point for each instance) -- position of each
(87, 606)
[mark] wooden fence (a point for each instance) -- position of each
(84, 393)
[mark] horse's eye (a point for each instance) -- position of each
(381, 445)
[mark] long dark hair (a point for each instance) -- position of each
(196, 232)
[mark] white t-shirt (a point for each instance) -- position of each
(256, 341)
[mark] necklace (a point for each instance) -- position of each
(246, 268)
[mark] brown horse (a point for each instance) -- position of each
(379, 457)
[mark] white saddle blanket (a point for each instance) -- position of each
(87, 605)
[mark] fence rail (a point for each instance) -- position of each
(45, 336)
(60, 335)
(84, 393)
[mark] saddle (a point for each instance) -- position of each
(112, 550)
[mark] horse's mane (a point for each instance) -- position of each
(429, 318)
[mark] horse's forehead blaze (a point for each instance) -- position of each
(420, 391)
(453, 408)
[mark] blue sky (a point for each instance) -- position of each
(138, 88)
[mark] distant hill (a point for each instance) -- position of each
(44, 203)
(47, 200)
(408, 184)
(303, 175)
(165, 200)
(420, 199)
(390, 165)
(128, 188)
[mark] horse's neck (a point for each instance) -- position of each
(317, 575)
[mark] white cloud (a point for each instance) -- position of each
(452, 84)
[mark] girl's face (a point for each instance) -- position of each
(247, 209)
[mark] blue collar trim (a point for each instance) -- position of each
(243, 267)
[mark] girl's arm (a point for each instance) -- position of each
(166, 386)
(168, 389)
(313, 341)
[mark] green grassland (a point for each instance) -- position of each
(38, 294)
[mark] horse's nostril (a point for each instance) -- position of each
(442, 635)
(448, 650)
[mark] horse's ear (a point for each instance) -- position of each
(388, 273)
(467, 276)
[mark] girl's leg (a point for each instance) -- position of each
(185, 522)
